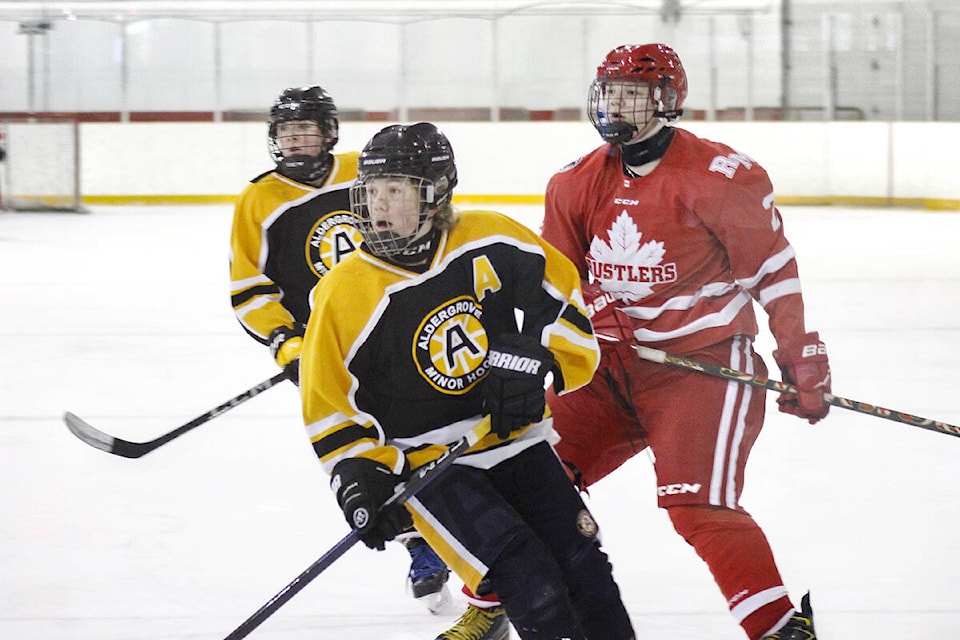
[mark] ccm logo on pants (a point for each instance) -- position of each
(677, 489)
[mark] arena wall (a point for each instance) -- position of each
(849, 163)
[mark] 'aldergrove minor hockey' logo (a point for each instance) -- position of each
(628, 267)
(450, 346)
(333, 237)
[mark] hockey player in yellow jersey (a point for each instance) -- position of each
(395, 370)
(291, 225)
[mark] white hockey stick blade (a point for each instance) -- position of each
(88, 433)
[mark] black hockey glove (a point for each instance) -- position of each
(362, 486)
(514, 385)
(285, 346)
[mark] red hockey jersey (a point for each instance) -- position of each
(683, 249)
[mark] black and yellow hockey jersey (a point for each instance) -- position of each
(286, 236)
(392, 359)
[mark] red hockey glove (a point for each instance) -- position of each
(804, 364)
(514, 386)
(362, 486)
(285, 346)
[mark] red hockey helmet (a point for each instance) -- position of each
(655, 65)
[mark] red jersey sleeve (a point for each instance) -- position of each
(563, 220)
(736, 202)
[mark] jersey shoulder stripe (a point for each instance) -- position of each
(344, 168)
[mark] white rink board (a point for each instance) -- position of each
(804, 159)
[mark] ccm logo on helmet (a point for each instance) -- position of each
(678, 488)
(625, 201)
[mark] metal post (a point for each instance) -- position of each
(898, 107)
(217, 73)
(495, 80)
(712, 44)
(403, 109)
(786, 55)
(124, 73)
(586, 66)
(45, 62)
(931, 66)
(747, 28)
(311, 53)
(32, 29)
(31, 74)
(830, 80)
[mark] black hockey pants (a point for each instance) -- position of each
(525, 523)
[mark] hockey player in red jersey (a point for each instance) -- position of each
(291, 225)
(679, 237)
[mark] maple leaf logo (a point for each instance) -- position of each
(620, 263)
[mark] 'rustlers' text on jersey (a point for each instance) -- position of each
(679, 253)
(271, 279)
(399, 370)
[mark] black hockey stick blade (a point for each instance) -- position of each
(422, 476)
(126, 449)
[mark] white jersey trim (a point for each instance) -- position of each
(771, 265)
(758, 600)
(719, 318)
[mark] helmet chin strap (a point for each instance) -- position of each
(307, 169)
(420, 250)
(617, 132)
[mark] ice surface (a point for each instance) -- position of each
(123, 317)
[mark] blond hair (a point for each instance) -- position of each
(446, 217)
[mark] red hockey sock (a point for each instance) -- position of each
(742, 564)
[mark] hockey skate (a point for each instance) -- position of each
(479, 624)
(428, 575)
(799, 626)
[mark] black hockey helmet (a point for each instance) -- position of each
(420, 153)
(312, 104)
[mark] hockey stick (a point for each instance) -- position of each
(421, 477)
(119, 447)
(655, 355)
